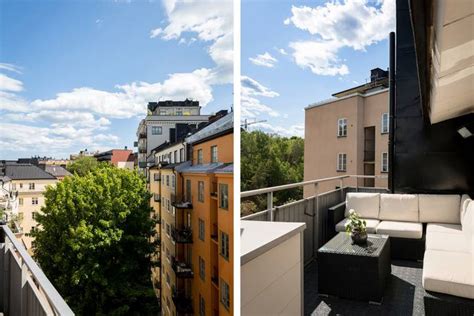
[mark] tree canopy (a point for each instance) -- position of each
(83, 165)
(94, 242)
(269, 160)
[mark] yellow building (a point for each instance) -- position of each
(30, 182)
(194, 202)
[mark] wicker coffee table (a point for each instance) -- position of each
(352, 271)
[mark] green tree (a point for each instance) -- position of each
(270, 160)
(94, 242)
(83, 165)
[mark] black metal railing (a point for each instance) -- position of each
(182, 235)
(181, 268)
(182, 302)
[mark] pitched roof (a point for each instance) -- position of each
(224, 124)
(57, 171)
(24, 171)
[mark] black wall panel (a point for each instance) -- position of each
(427, 158)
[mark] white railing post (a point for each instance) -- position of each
(270, 205)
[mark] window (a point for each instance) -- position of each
(20, 201)
(32, 186)
(21, 185)
(201, 191)
(181, 155)
(168, 205)
(167, 180)
(202, 269)
(214, 154)
(223, 196)
(33, 215)
(188, 191)
(342, 127)
(163, 112)
(13, 186)
(201, 229)
(167, 280)
(173, 180)
(224, 245)
(385, 123)
(341, 162)
(225, 294)
(199, 158)
(175, 156)
(168, 228)
(202, 306)
(384, 162)
(34, 201)
(179, 112)
(156, 130)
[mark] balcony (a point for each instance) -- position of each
(184, 205)
(24, 288)
(156, 197)
(182, 302)
(182, 269)
(182, 235)
(142, 133)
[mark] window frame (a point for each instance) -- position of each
(34, 200)
(31, 186)
(214, 154)
(342, 129)
(158, 129)
(202, 229)
(226, 206)
(338, 162)
(382, 165)
(199, 157)
(224, 245)
(224, 294)
(201, 191)
(385, 130)
(202, 268)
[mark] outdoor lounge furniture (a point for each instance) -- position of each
(352, 271)
(436, 228)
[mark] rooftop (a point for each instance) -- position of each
(23, 171)
(219, 127)
(57, 171)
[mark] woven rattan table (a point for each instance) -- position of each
(352, 271)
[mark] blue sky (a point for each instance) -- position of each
(78, 74)
(295, 53)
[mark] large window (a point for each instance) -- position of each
(202, 269)
(200, 191)
(342, 127)
(199, 156)
(341, 162)
(223, 196)
(34, 201)
(384, 162)
(225, 294)
(32, 186)
(214, 154)
(156, 130)
(385, 123)
(224, 245)
(201, 229)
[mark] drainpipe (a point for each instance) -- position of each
(392, 87)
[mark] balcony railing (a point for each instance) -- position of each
(311, 210)
(185, 205)
(182, 235)
(181, 269)
(182, 302)
(24, 288)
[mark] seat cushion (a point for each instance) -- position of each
(443, 228)
(449, 272)
(400, 229)
(450, 242)
(366, 204)
(371, 225)
(399, 207)
(439, 208)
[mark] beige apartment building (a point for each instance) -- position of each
(348, 135)
(30, 182)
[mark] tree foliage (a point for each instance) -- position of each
(83, 165)
(94, 242)
(270, 160)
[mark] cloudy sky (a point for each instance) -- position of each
(77, 75)
(295, 53)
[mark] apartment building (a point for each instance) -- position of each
(164, 119)
(30, 182)
(348, 135)
(121, 158)
(195, 205)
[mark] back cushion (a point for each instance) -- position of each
(399, 207)
(366, 204)
(439, 208)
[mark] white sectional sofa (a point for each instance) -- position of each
(436, 228)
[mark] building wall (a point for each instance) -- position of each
(26, 208)
(225, 149)
(164, 154)
(154, 187)
(322, 145)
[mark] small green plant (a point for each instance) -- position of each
(356, 224)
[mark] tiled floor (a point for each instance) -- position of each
(403, 295)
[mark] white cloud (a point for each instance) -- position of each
(337, 24)
(10, 84)
(265, 60)
(10, 67)
(287, 131)
(251, 106)
(282, 51)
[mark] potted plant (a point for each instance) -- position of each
(357, 228)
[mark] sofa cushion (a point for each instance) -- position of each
(366, 204)
(371, 225)
(439, 208)
(400, 229)
(467, 217)
(465, 200)
(450, 242)
(449, 272)
(399, 207)
(443, 228)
